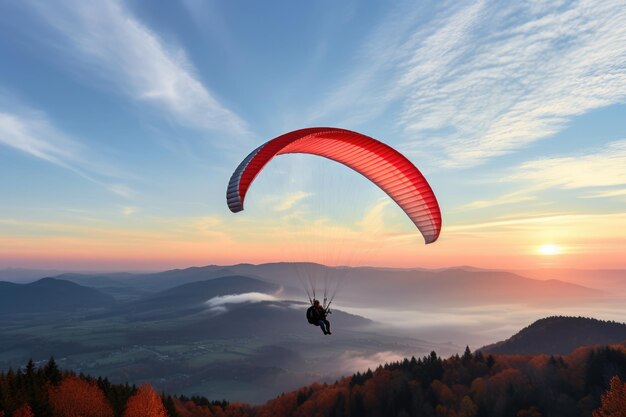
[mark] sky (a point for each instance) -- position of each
(122, 121)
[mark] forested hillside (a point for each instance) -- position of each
(460, 386)
(560, 335)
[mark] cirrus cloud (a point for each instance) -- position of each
(597, 168)
(111, 43)
(31, 132)
(482, 79)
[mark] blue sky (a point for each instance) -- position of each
(121, 122)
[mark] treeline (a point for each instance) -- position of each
(469, 385)
(47, 391)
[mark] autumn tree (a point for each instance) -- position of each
(613, 401)
(76, 397)
(145, 403)
(467, 408)
(529, 412)
(24, 411)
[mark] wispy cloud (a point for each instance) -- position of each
(505, 199)
(605, 167)
(366, 92)
(30, 132)
(218, 304)
(373, 220)
(34, 135)
(572, 223)
(122, 190)
(483, 79)
(249, 297)
(353, 361)
(599, 168)
(129, 211)
(521, 81)
(106, 38)
(290, 200)
(606, 194)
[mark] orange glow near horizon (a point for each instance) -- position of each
(156, 244)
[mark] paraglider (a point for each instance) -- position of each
(380, 163)
(316, 315)
(391, 171)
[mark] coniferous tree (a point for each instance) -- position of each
(168, 401)
(467, 356)
(51, 370)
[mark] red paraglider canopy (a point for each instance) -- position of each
(381, 164)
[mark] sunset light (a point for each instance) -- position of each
(312, 209)
(550, 250)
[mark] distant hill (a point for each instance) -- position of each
(50, 295)
(243, 345)
(175, 277)
(125, 286)
(426, 287)
(265, 319)
(367, 285)
(560, 335)
(192, 297)
(24, 275)
(611, 280)
(203, 290)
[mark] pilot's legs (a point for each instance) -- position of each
(323, 324)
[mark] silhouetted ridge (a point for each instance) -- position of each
(50, 295)
(203, 290)
(560, 335)
(192, 296)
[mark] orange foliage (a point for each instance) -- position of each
(23, 411)
(539, 361)
(284, 405)
(467, 408)
(376, 388)
(145, 403)
(478, 386)
(75, 397)
(234, 410)
(613, 401)
(509, 376)
(190, 409)
(320, 403)
(443, 411)
(578, 358)
(529, 412)
(512, 361)
(443, 392)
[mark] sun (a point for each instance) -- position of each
(549, 250)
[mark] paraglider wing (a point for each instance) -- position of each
(381, 164)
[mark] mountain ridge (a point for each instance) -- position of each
(454, 285)
(50, 295)
(560, 335)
